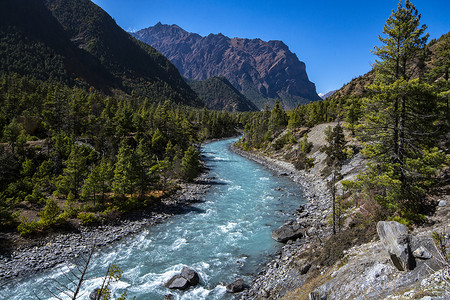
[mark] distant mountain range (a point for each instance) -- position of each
(219, 94)
(262, 71)
(326, 95)
(75, 42)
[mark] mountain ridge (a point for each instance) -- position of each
(219, 94)
(262, 71)
(78, 43)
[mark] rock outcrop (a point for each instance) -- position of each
(262, 71)
(177, 282)
(236, 286)
(395, 237)
(191, 276)
(184, 280)
(288, 231)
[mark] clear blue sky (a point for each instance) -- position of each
(333, 38)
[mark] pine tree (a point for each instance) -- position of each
(278, 118)
(335, 157)
(123, 172)
(75, 171)
(398, 125)
(404, 39)
(190, 164)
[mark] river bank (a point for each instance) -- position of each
(282, 273)
(38, 254)
(365, 270)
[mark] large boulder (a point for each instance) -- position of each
(395, 237)
(287, 232)
(184, 280)
(177, 282)
(190, 275)
(236, 286)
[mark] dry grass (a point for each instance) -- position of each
(315, 279)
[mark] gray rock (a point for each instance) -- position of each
(422, 253)
(305, 268)
(177, 282)
(288, 232)
(94, 295)
(442, 203)
(236, 286)
(395, 237)
(169, 297)
(190, 275)
(317, 295)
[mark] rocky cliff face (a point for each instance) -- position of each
(262, 71)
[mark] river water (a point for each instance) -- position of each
(225, 237)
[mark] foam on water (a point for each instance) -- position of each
(226, 237)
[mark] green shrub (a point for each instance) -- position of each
(304, 145)
(26, 228)
(87, 218)
(111, 214)
(303, 162)
(50, 213)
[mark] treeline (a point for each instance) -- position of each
(77, 153)
(399, 112)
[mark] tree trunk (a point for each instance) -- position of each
(333, 194)
(401, 141)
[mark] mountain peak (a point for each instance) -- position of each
(262, 71)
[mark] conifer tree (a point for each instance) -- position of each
(123, 172)
(278, 118)
(190, 163)
(75, 171)
(399, 125)
(335, 157)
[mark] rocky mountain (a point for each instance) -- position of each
(219, 94)
(75, 42)
(326, 95)
(262, 71)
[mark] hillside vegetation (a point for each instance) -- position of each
(93, 123)
(76, 43)
(217, 93)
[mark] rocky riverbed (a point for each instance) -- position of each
(31, 256)
(279, 275)
(366, 271)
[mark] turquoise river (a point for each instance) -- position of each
(224, 237)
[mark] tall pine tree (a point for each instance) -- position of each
(399, 121)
